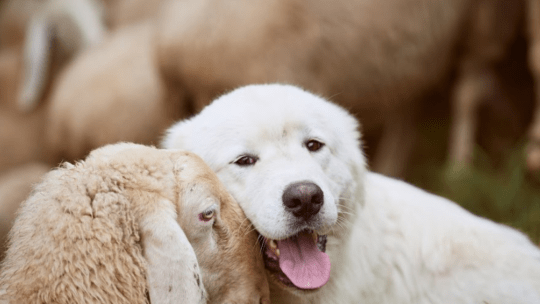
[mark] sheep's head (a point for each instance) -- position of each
(190, 197)
(223, 238)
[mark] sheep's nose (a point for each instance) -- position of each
(303, 199)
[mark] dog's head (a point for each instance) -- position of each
(291, 159)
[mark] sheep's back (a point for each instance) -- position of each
(74, 241)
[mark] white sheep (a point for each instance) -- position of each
(38, 39)
(75, 24)
(116, 226)
(21, 134)
(110, 93)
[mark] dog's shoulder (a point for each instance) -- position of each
(450, 243)
(445, 234)
(423, 215)
(413, 206)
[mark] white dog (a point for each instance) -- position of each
(332, 232)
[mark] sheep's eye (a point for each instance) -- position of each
(207, 215)
(246, 160)
(314, 145)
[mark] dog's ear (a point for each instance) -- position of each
(175, 136)
(173, 271)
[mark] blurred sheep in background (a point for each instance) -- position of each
(492, 27)
(21, 134)
(38, 40)
(111, 93)
(377, 58)
(73, 25)
(533, 30)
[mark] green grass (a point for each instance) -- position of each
(506, 193)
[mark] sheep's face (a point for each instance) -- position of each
(223, 239)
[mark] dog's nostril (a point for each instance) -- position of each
(317, 199)
(303, 199)
(293, 203)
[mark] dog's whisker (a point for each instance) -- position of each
(245, 227)
(249, 231)
(336, 94)
(345, 206)
(259, 244)
(347, 201)
(244, 221)
(346, 212)
(342, 223)
(241, 227)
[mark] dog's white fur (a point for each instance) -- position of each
(389, 242)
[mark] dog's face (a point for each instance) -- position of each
(290, 159)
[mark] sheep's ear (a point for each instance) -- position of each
(173, 271)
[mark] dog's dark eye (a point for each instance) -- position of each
(314, 145)
(246, 160)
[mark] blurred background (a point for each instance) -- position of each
(447, 92)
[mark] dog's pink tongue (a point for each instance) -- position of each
(303, 263)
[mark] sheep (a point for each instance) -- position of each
(126, 12)
(493, 27)
(29, 64)
(21, 134)
(189, 58)
(533, 22)
(15, 186)
(116, 225)
(76, 25)
(14, 16)
(51, 31)
(110, 93)
(377, 58)
(116, 75)
(56, 19)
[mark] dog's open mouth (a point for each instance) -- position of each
(299, 261)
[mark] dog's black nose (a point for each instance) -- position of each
(303, 199)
